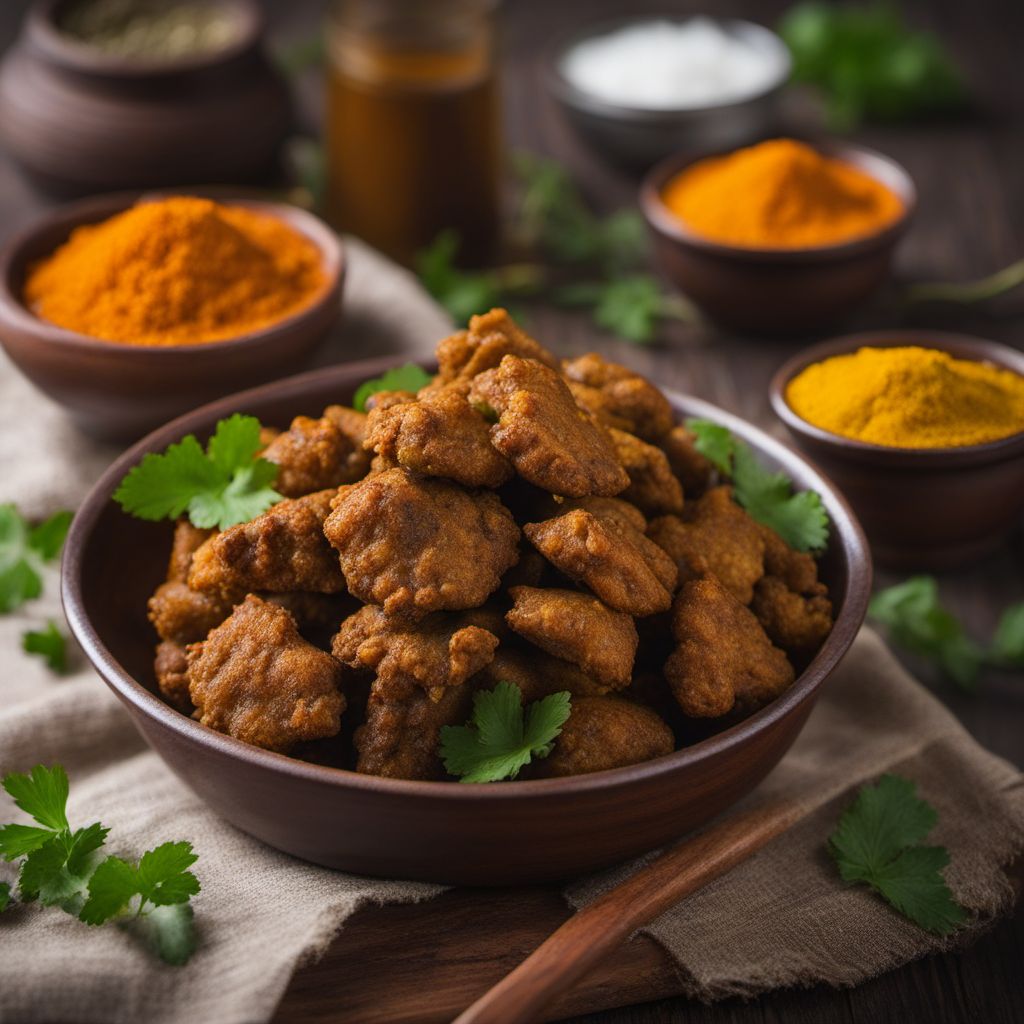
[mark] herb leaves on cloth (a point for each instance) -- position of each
(23, 550)
(61, 867)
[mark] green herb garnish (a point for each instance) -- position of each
(23, 550)
(62, 867)
(49, 643)
(500, 740)
(798, 518)
(878, 842)
(409, 377)
(220, 487)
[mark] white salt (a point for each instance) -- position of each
(666, 65)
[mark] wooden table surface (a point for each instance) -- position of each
(970, 223)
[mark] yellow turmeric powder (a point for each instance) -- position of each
(909, 397)
(780, 194)
(176, 271)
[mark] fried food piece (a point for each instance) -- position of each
(619, 397)
(283, 549)
(183, 615)
(441, 435)
(577, 628)
(652, 486)
(796, 623)
(724, 660)
(171, 670)
(606, 732)
(256, 679)
(311, 455)
(440, 651)
(421, 545)
(796, 569)
(491, 337)
(536, 674)
(606, 509)
(600, 556)
(386, 399)
(715, 535)
(692, 469)
(352, 424)
(551, 442)
(188, 539)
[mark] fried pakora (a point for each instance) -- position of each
(183, 615)
(171, 670)
(551, 442)
(188, 539)
(311, 455)
(490, 337)
(724, 660)
(256, 679)
(693, 470)
(352, 424)
(577, 628)
(416, 545)
(653, 487)
(797, 623)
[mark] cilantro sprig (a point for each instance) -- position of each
(63, 867)
(500, 739)
(24, 549)
(916, 619)
(879, 842)
(225, 485)
(49, 643)
(409, 377)
(798, 518)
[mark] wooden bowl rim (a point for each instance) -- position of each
(873, 163)
(962, 346)
(16, 314)
(846, 532)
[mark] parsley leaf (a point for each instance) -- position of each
(220, 487)
(409, 377)
(878, 842)
(23, 550)
(5, 895)
(799, 519)
(43, 794)
(1008, 643)
(499, 740)
(48, 643)
(917, 621)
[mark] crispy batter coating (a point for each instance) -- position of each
(352, 424)
(724, 659)
(386, 399)
(796, 569)
(188, 539)
(606, 509)
(599, 555)
(491, 337)
(715, 535)
(420, 545)
(183, 615)
(618, 396)
(606, 732)
(798, 624)
(440, 435)
(256, 679)
(312, 455)
(653, 487)
(577, 628)
(171, 670)
(693, 470)
(536, 674)
(441, 650)
(552, 443)
(283, 549)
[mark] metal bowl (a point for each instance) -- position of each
(640, 135)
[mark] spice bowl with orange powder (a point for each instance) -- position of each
(922, 431)
(129, 310)
(778, 238)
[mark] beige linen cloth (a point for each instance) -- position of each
(782, 918)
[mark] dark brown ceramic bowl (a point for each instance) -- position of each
(776, 291)
(441, 831)
(118, 392)
(922, 508)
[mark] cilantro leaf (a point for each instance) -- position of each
(22, 552)
(877, 842)
(409, 377)
(220, 487)
(5, 895)
(49, 643)
(714, 442)
(1008, 642)
(113, 884)
(47, 538)
(162, 876)
(44, 874)
(43, 794)
(18, 840)
(499, 741)
(916, 620)
(169, 931)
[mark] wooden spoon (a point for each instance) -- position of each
(593, 932)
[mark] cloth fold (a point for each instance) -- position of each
(782, 918)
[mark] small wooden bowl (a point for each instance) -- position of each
(776, 291)
(117, 391)
(510, 833)
(922, 508)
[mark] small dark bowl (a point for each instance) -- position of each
(514, 832)
(117, 391)
(777, 291)
(922, 508)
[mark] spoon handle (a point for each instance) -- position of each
(593, 932)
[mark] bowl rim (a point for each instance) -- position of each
(877, 165)
(846, 532)
(559, 85)
(15, 313)
(958, 345)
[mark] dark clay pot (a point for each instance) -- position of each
(80, 120)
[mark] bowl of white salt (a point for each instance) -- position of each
(641, 88)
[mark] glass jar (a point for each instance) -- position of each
(413, 124)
